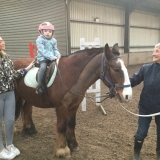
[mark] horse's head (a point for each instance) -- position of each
(114, 74)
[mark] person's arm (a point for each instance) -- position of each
(30, 66)
(56, 50)
(137, 77)
(21, 72)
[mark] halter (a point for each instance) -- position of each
(104, 78)
(112, 89)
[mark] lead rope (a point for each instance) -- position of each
(139, 115)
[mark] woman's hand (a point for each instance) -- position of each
(30, 65)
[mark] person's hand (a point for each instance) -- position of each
(30, 65)
(56, 58)
(59, 57)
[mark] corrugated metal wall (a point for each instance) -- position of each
(145, 30)
(19, 21)
(110, 29)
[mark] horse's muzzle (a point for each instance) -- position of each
(122, 100)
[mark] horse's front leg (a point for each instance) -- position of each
(71, 137)
(62, 149)
(28, 125)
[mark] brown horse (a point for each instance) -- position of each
(76, 73)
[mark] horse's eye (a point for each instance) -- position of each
(116, 69)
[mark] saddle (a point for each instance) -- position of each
(48, 73)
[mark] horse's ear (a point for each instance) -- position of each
(107, 49)
(108, 52)
(115, 49)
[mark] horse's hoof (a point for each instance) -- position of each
(63, 152)
(29, 131)
(75, 149)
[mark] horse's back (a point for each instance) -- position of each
(22, 63)
(69, 70)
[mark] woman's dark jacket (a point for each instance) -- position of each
(8, 74)
(150, 96)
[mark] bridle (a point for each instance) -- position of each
(112, 87)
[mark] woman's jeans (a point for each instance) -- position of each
(143, 126)
(7, 113)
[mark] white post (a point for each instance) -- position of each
(95, 90)
(98, 94)
(83, 45)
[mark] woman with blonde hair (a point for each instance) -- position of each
(7, 101)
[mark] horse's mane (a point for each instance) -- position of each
(82, 57)
(89, 51)
(76, 62)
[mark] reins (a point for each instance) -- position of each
(66, 86)
(112, 87)
(112, 93)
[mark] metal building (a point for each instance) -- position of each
(19, 21)
(134, 24)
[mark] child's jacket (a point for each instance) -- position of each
(47, 49)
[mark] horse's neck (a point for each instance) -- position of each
(72, 67)
(89, 75)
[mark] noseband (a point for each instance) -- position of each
(104, 78)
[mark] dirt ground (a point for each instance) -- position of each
(100, 137)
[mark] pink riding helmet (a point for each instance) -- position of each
(45, 25)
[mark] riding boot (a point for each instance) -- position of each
(158, 148)
(137, 148)
(40, 89)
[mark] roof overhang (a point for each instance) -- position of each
(152, 6)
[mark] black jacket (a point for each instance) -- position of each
(150, 96)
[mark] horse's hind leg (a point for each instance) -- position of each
(71, 137)
(28, 125)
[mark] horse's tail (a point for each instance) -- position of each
(19, 105)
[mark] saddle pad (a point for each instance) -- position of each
(30, 77)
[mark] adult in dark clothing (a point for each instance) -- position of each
(149, 102)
